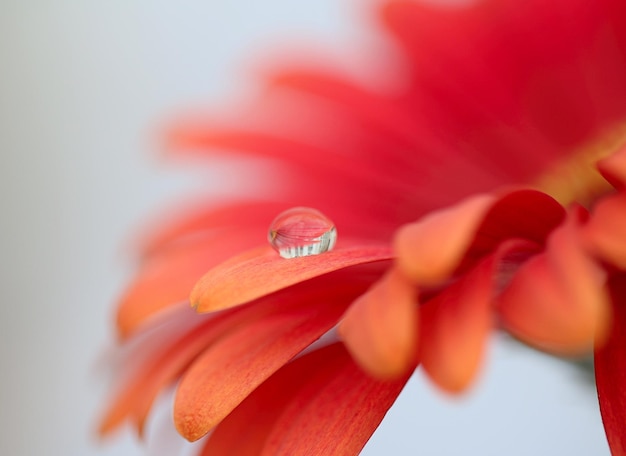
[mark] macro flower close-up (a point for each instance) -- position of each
(475, 185)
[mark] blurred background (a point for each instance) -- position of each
(84, 90)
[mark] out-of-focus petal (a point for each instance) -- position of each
(610, 368)
(262, 271)
(606, 230)
(527, 83)
(456, 323)
(431, 249)
(557, 299)
(205, 220)
(166, 277)
(380, 329)
(613, 168)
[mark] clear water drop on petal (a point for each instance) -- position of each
(302, 231)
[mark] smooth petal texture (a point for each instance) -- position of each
(380, 329)
(456, 323)
(613, 168)
(166, 277)
(262, 271)
(430, 250)
(527, 83)
(557, 300)
(606, 230)
(203, 220)
(610, 369)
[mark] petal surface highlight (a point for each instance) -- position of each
(262, 271)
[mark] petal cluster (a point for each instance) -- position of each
(486, 193)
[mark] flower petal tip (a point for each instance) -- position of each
(189, 426)
(380, 329)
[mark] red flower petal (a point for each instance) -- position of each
(613, 168)
(380, 329)
(323, 392)
(606, 230)
(166, 277)
(335, 412)
(557, 299)
(258, 413)
(610, 368)
(527, 83)
(455, 324)
(241, 360)
(262, 271)
(431, 249)
(208, 220)
(168, 358)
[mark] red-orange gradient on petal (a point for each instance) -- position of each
(468, 170)
(381, 328)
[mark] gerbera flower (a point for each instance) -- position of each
(486, 194)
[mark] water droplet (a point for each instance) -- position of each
(302, 231)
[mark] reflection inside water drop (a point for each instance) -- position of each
(302, 231)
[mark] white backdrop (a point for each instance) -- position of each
(84, 87)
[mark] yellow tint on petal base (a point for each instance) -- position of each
(606, 231)
(576, 178)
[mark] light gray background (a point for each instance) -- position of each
(84, 87)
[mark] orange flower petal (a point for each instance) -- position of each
(174, 347)
(320, 391)
(380, 328)
(335, 412)
(613, 168)
(262, 271)
(267, 401)
(240, 361)
(166, 277)
(430, 250)
(606, 230)
(557, 300)
(455, 324)
(207, 219)
(610, 368)
(169, 357)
